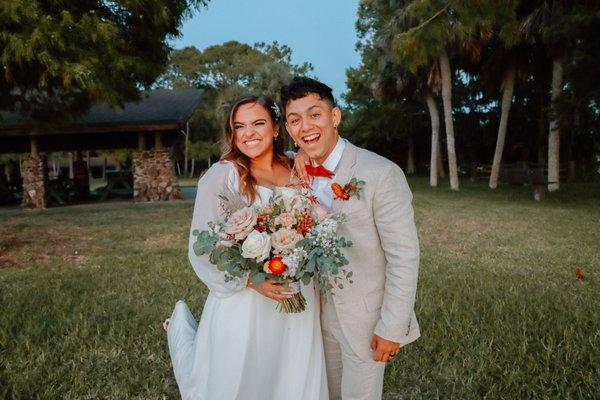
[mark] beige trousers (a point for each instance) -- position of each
(348, 376)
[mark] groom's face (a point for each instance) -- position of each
(312, 123)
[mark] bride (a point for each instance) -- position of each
(243, 348)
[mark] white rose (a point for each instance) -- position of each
(285, 239)
(241, 223)
(257, 245)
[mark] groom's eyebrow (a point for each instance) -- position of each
(307, 110)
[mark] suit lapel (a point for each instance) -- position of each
(344, 173)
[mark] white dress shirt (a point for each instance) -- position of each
(321, 186)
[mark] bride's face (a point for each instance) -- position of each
(254, 130)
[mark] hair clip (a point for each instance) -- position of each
(276, 111)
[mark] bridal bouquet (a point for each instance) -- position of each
(290, 239)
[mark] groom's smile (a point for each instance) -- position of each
(311, 138)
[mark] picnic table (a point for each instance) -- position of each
(61, 190)
(118, 184)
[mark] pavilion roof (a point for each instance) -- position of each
(103, 127)
(160, 109)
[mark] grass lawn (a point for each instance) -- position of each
(84, 291)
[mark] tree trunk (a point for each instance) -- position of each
(410, 159)
(192, 169)
(178, 168)
(104, 169)
(554, 134)
(507, 94)
(448, 121)
(209, 162)
(440, 162)
(434, 115)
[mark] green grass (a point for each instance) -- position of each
(84, 291)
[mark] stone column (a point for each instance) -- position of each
(35, 181)
(154, 177)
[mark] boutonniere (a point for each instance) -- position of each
(352, 188)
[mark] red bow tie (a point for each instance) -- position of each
(319, 171)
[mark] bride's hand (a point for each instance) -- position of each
(271, 289)
(300, 162)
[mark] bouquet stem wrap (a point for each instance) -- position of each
(296, 303)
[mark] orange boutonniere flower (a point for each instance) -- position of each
(344, 193)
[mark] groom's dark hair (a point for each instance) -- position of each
(301, 86)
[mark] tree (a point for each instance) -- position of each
(507, 52)
(226, 72)
(550, 22)
(377, 26)
(59, 57)
(432, 29)
(490, 45)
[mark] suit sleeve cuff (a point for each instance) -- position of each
(397, 335)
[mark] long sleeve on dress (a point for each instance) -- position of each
(206, 209)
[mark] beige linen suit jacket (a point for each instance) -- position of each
(384, 257)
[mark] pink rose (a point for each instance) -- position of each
(321, 212)
(285, 219)
(285, 239)
(241, 223)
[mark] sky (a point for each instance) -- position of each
(318, 31)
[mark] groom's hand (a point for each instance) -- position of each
(383, 349)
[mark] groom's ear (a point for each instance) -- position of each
(336, 115)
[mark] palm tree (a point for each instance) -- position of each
(545, 23)
(427, 32)
(507, 59)
(424, 81)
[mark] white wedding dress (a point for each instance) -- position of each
(242, 348)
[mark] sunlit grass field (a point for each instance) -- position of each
(84, 291)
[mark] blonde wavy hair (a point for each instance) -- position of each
(231, 153)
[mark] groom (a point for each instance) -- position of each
(366, 323)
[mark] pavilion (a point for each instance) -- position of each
(149, 126)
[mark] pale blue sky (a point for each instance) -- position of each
(318, 31)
